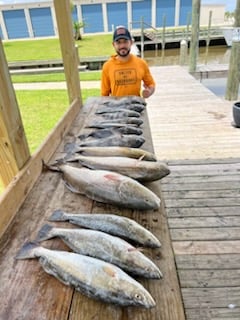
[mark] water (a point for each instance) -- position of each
(211, 55)
(168, 57)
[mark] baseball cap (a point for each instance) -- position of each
(121, 33)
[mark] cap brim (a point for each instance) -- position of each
(121, 37)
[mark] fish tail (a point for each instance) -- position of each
(57, 215)
(47, 167)
(44, 233)
(27, 251)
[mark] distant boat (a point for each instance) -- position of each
(135, 50)
(231, 34)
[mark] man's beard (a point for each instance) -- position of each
(125, 54)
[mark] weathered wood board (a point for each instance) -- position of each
(28, 293)
(202, 200)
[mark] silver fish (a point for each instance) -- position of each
(140, 170)
(135, 153)
(103, 246)
(107, 132)
(122, 111)
(108, 187)
(109, 108)
(126, 100)
(129, 140)
(111, 223)
(105, 123)
(92, 277)
(120, 115)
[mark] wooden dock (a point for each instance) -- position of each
(191, 130)
(187, 120)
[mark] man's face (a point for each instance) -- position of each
(122, 47)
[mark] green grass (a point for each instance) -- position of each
(49, 49)
(42, 109)
(55, 77)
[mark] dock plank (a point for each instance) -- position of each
(202, 206)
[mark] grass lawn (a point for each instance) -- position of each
(49, 49)
(55, 77)
(42, 109)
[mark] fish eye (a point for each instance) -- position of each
(138, 296)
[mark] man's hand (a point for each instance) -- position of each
(147, 91)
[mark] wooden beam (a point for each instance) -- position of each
(194, 35)
(66, 37)
(17, 191)
(13, 144)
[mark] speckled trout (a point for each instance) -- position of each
(140, 170)
(92, 277)
(103, 246)
(135, 153)
(120, 140)
(111, 223)
(108, 187)
(130, 106)
(125, 100)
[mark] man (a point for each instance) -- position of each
(123, 73)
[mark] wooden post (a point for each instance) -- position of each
(194, 35)
(183, 52)
(14, 151)
(233, 79)
(142, 37)
(164, 32)
(237, 14)
(209, 28)
(70, 59)
(233, 73)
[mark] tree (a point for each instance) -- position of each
(77, 25)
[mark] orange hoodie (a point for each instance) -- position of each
(125, 78)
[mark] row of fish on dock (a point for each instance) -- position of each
(108, 166)
(103, 261)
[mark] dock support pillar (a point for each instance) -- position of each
(234, 72)
(194, 35)
(183, 52)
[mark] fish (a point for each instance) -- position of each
(106, 247)
(109, 108)
(92, 277)
(120, 140)
(107, 187)
(107, 132)
(119, 115)
(141, 170)
(113, 224)
(135, 153)
(126, 100)
(109, 123)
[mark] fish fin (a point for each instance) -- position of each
(70, 147)
(70, 187)
(141, 158)
(47, 167)
(44, 233)
(57, 215)
(83, 136)
(109, 270)
(27, 252)
(140, 249)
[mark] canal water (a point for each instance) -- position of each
(211, 55)
(168, 57)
